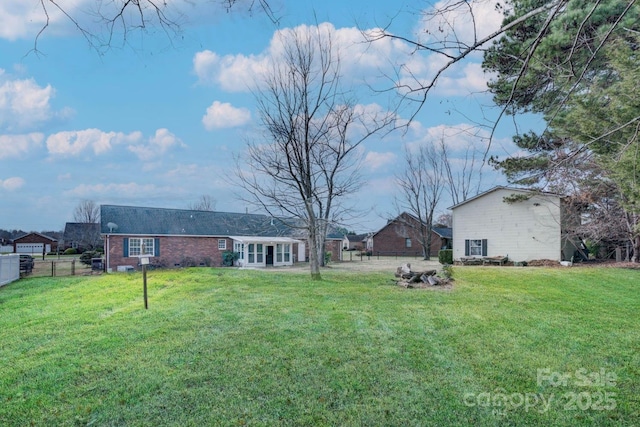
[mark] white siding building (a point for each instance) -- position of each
(523, 230)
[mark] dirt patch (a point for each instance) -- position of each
(543, 263)
(387, 265)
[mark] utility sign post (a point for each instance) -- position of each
(144, 260)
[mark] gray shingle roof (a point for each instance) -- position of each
(78, 231)
(445, 232)
(171, 222)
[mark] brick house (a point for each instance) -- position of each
(35, 244)
(400, 236)
(177, 237)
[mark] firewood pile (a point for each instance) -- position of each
(420, 279)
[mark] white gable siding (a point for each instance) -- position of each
(523, 231)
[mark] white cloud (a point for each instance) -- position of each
(23, 19)
(162, 142)
(96, 142)
(459, 22)
(76, 143)
(239, 73)
(374, 160)
(457, 138)
(19, 145)
(362, 61)
(24, 104)
(127, 190)
(224, 115)
(12, 184)
(233, 73)
(459, 80)
(456, 25)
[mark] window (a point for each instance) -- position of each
(222, 244)
(407, 242)
(255, 252)
(283, 252)
(259, 253)
(475, 247)
(287, 252)
(239, 248)
(252, 253)
(141, 246)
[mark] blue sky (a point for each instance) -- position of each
(157, 120)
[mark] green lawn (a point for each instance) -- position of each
(508, 346)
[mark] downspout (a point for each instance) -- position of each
(108, 266)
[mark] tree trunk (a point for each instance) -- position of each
(636, 249)
(315, 253)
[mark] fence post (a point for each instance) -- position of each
(73, 267)
(53, 269)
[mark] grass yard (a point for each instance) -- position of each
(508, 346)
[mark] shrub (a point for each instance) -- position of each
(87, 256)
(229, 257)
(327, 257)
(188, 262)
(71, 251)
(447, 271)
(445, 256)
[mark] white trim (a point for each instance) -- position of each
(265, 242)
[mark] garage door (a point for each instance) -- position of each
(30, 248)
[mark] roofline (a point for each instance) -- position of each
(502, 187)
(191, 210)
(39, 234)
(372, 235)
(164, 235)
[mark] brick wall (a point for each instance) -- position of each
(174, 251)
(392, 239)
(335, 247)
(35, 238)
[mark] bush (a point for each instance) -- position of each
(327, 257)
(188, 262)
(87, 256)
(229, 257)
(445, 256)
(447, 271)
(71, 251)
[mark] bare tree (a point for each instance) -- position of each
(204, 203)
(87, 212)
(308, 163)
(463, 176)
(117, 19)
(421, 186)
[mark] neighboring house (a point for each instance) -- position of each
(82, 236)
(520, 224)
(401, 236)
(352, 242)
(35, 244)
(176, 237)
(333, 244)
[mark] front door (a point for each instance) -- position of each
(269, 255)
